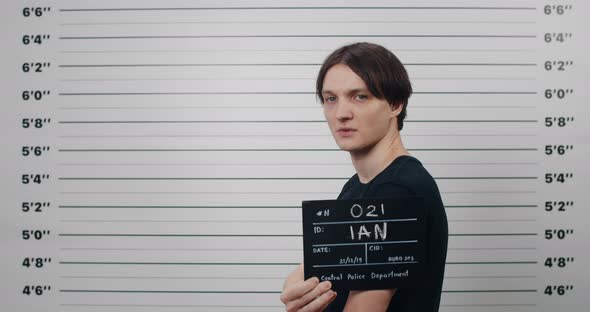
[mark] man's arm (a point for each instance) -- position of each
(369, 300)
(306, 295)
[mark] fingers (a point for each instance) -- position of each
(321, 302)
(299, 289)
(319, 290)
(314, 299)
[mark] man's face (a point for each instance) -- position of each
(357, 119)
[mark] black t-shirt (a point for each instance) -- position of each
(406, 176)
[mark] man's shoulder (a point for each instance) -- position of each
(405, 175)
(408, 170)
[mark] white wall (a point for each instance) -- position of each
(177, 134)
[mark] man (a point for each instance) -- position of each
(364, 91)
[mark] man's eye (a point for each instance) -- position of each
(330, 99)
(362, 97)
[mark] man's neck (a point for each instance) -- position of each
(370, 163)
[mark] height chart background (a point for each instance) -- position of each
(155, 153)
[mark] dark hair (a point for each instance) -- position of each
(380, 69)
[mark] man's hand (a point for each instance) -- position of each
(306, 296)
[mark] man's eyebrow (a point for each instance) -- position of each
(358, 90)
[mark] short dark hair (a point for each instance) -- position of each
(380, 69)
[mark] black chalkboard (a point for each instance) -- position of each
(369, 243)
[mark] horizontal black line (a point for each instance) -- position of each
(260, 292)
(250, 263)
(242, 306)
(477, 120)
(256, 277)
(301, 8)
(264, 306)
(254, 235)
(490, 291)
(286, 192)
(315, 21)
(198, 178)
(486, 50)
(230, 221)
(275, 79)
(209, 277)
(277, 107)
(266, 178)
(278, 164)
(491, 206)
(494, 234)
(179, 93)
(183, 121)
(495, 262)
(177, 263)
(170, 291)
(187, 65)
(280, 64)
(203, 249)
(284, 150)
(196, 150)
(491, 305)
(175, 235)
(294, 36)
(176, 207)
(470, 64)
(294, 50)
(486, 178)
(280, 136)
(257, 207)
(252, 221)
(272, 93)
(288, 78)
(271, 121)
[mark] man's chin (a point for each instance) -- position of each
(351, 148)
(345, 147)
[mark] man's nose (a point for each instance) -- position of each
(344, 109)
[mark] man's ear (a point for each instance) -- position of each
(396, 108)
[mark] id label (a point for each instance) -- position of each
(369, 243)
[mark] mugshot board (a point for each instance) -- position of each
(156, 154)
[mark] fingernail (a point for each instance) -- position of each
(316, 280)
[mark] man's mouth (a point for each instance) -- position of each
(345, 131)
